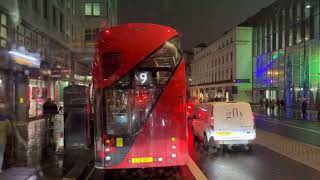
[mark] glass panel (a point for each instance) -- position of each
(3, 32)
(3, 43)
(96, 9)
(88, 9)
(4, 19)
(128, 103)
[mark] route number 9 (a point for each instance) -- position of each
(143, 77)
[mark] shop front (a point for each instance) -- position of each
(60, 78)
(30, 86)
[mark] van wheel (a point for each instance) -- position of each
(248, 148)
(205, 142)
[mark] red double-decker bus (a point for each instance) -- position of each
(139, 98)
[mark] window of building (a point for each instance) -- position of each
(231, 57)
(3, 31)
(90, 34)
(61, 22)
(45, 9)
(54, 16)
(35, 5)
(92, 9)
(69, 4)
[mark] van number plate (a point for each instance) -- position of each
(222, 133)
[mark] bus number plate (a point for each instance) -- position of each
(142, 160)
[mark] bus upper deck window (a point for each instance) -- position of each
(110, 63)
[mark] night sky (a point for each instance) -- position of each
(198, 20)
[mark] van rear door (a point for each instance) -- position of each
(233, 117)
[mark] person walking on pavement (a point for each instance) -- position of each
(5, 131)
(267, 105)
(272, 106)
(304, 109)
(283, 105)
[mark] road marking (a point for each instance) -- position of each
(311, 130)
(89, 175)
(195, 170)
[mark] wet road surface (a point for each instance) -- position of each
(259, 164)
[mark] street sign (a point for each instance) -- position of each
(241, 80)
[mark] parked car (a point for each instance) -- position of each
(224, 123)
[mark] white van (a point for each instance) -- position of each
(224, 123)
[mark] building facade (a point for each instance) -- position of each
(223, 68)
(188, 56)
(286, 51)
(40, 42)
(93, 16)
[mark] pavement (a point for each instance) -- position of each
(38, 160)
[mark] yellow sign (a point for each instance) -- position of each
(22, 61)
(21, 100)
(222, 133)
(119, 142)
(142, 160)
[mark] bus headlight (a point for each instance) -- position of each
(173, 155)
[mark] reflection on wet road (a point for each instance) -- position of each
(260, 164)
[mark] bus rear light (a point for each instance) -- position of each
(108, 158)
(173, 138)
(173, 155)
(173, 147)
(108, 149)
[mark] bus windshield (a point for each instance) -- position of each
(129, 101)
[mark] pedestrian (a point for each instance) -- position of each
(267, 105)
(283, 105)
(304, 109)
(49, 110)
(261, 104)
(5, 131)
(272, 106)
(278, 105)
